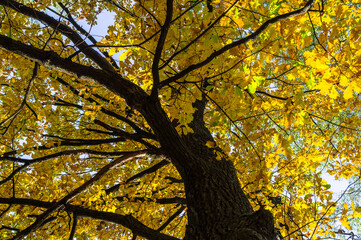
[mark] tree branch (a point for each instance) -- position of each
(172, 200)
(241, 41)
(147, 171)
(13, 173)
(64, 153)
(159, 48)
(323, 133)
(131, 136)
(235, 125)
(171, 218)
(73, 227)
(42, 218)
(134, 95)
(330, 122)
(62, 28)
(150, 13)
(199, 36)
(104, 110)
(139, 175)
(126, 220)
(24, 102)
(85, 33)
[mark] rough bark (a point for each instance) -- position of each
(217, 206)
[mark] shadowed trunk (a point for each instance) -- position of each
(217, 206)
(218, 209)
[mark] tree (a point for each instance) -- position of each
(189, 119)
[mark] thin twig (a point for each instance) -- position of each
(23, 103)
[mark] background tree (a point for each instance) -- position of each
(213, 117)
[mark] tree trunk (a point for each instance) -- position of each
(217, 206)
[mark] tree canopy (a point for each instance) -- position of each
(188, 120)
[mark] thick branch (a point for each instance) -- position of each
(244, 40)
(127, 221)
(68, 142)
(159, 48)
(73, 227)
(134, 95)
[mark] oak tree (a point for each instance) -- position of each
(188, 119)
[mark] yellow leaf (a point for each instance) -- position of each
(345, 209)
(112, 51)
(324, 87)
(333, 93)
(239, 22)
(210, 144)
(125, 54)
(344, 81)
(315, 61)
(345, 223)
(348, 92)
(276, 139)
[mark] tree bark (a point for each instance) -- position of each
(217, 206)
(219, 209)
